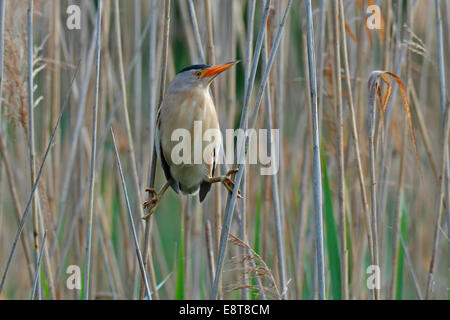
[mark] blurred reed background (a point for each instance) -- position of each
(381, 157)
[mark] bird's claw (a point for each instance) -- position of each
(152, 192)
(229, 183)
(151, 204)
(232, 171)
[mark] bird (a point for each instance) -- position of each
(187, 100)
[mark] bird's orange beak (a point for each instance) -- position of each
(215, 70)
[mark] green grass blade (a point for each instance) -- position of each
(179, 293)
(307, 293)
(82, 284)
(349, 247)
(331, 235)
(44, 284)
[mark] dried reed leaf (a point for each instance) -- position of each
(373, 85)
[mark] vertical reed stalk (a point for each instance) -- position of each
(321, 59)
(317, 171)
(275, 188)
(247, 65)
(2, 49)
(137, 82)
(55, 90)
(92, 173)
(373, 177)
(198, 41)
(210, 50)
(31, 133)
(340, 151)
(211, 59)
(152, 171)
(445, 157)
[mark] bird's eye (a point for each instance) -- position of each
(198, 74)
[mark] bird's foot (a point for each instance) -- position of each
(232, 171)
(229, 183)
(150, 205)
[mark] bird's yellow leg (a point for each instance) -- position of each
(150, 205)
(227, 181)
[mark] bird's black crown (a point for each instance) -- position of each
(194, 67)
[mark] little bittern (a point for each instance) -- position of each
(186, 101)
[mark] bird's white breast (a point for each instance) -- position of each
(181, 110)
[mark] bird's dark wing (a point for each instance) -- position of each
(166, 170)
(205, 186)
(175, 186)
(214, 164)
